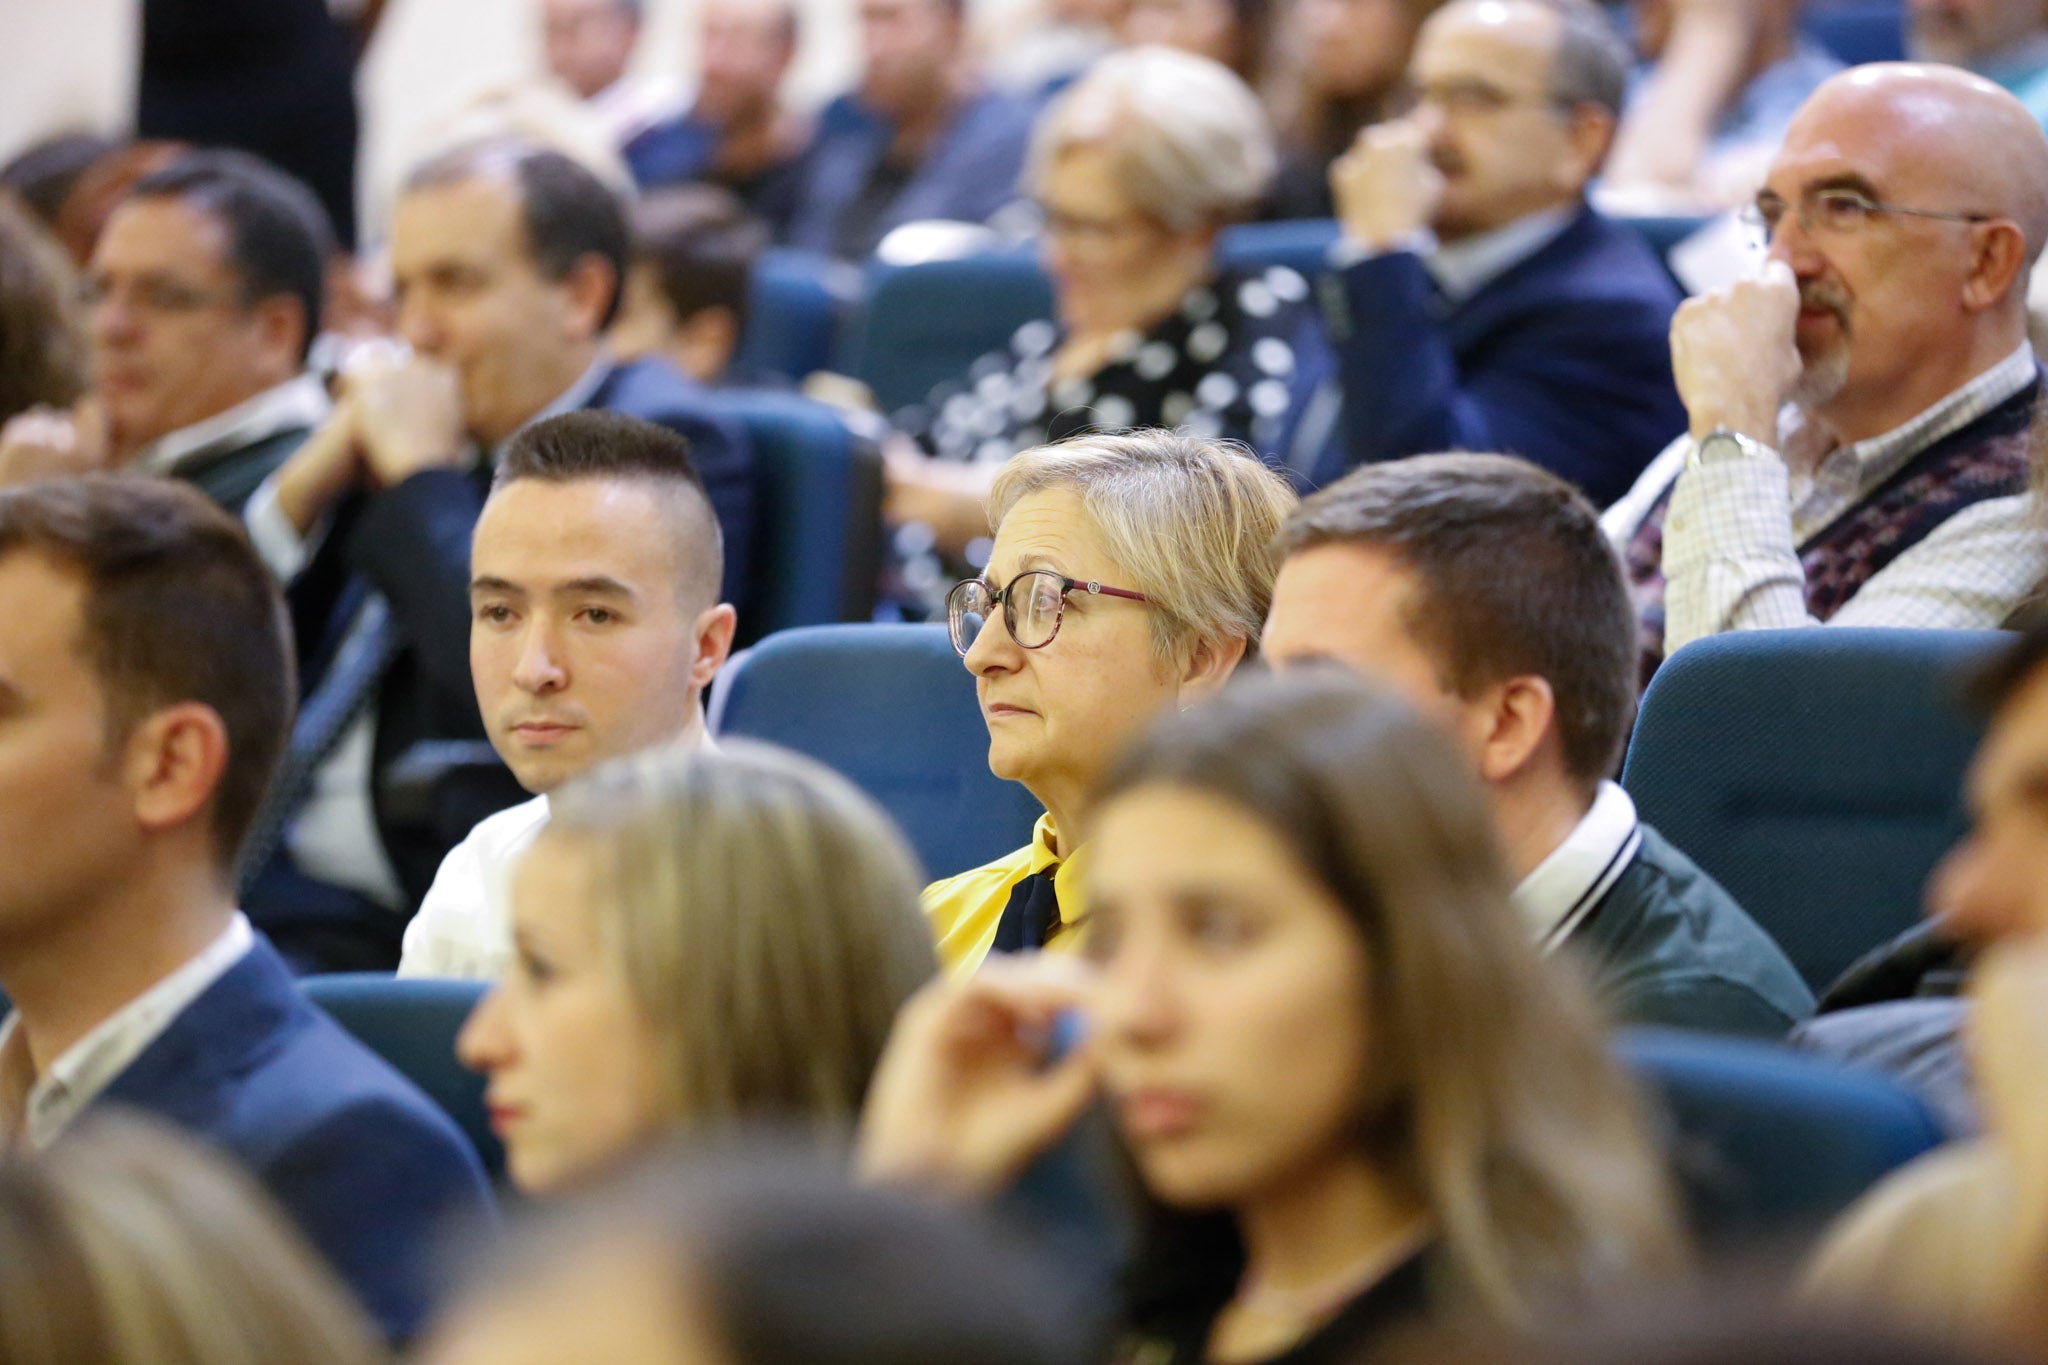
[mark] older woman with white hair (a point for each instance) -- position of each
(1137, 168)
(1130, 574)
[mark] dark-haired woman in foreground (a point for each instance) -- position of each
(1352, 1094)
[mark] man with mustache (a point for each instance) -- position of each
(595, 626)
(1479, 304)
(1861, 413)
(2002, 40)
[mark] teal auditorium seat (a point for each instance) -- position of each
(1857, 31)
(921, 325)
(412, 1025)
(1815, 773)
(817, 517)
(797, 299)
(890, 707)
(1767, 1144)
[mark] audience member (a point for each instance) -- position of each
(1138, 166)
(1353, 1094)
(42, 347)
(1037, 47)
(918, 139)
(205, 292)
(1479, 304)
(1158, 545)
(101, 188)
(148, 688)
(42, 177)
(1343, 64)
(1232, 32)
(1861, 415)
(689, 289)
(703, 941)
(2002, 40)
(1720, 84)
(759, 1261)
(508, 262)
(588, 45)
(130, 1245)
(595, 627)
(1396, 570)
(737, 133)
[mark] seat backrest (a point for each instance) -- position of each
(921, 325)
(1857, 31)
(892, 709)
(412, 1024)
(1301, 244)
(1768, 1143)
(817, 518)
(796, 302)
(1816, 774)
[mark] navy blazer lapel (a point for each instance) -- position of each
(235, 1025)
(1523, 285)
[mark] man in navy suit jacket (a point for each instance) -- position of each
(1479, 304)
(508, 260)
(147, 688)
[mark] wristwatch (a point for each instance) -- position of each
(1725, 445)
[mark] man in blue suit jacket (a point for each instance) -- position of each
(1479, 304)
(148, 689)
(507, 260)
(917, 140)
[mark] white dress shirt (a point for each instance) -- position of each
(298, 402)
(464, 926)
(335, 838)
(1562, 890)
(1464, 267)
(1733, 530)
(35, 1109)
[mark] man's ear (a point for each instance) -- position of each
(1520, 713)
(591, 284)
(1998, 261)
(714, 630)
(281, 321)
(1209, 666)
(172, 764)
(1590, 130)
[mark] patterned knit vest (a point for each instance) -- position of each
(1987, 459)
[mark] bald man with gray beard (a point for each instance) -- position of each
(1861, 411)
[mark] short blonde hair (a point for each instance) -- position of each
(130, 1244)
(764, 915)
(1193, 522)
(1192, 143)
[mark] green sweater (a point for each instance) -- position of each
(1668, 946)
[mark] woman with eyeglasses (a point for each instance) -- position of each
(1137, 168)
(1352, 1095)
(1130, 575)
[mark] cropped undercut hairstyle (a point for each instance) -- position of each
(279, 238)
(1191, 520)
(178, 608)
(566, 212)
(1191, 142)
(1513, 579)
(764, 915)
(594, 444)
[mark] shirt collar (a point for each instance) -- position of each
(1072, 869)
(1563, 889)
(1879, 457)
(36, 1109)
(298, 402)
(576, 396)
(1463, 268)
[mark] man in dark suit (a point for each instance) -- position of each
(205, 294)
(146, 687)
(1479, 303)
(508, 261)
(918, 139)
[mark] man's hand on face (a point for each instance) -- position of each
(1386, 187)
(51, 443)
(408, 416)
(1734, 355)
